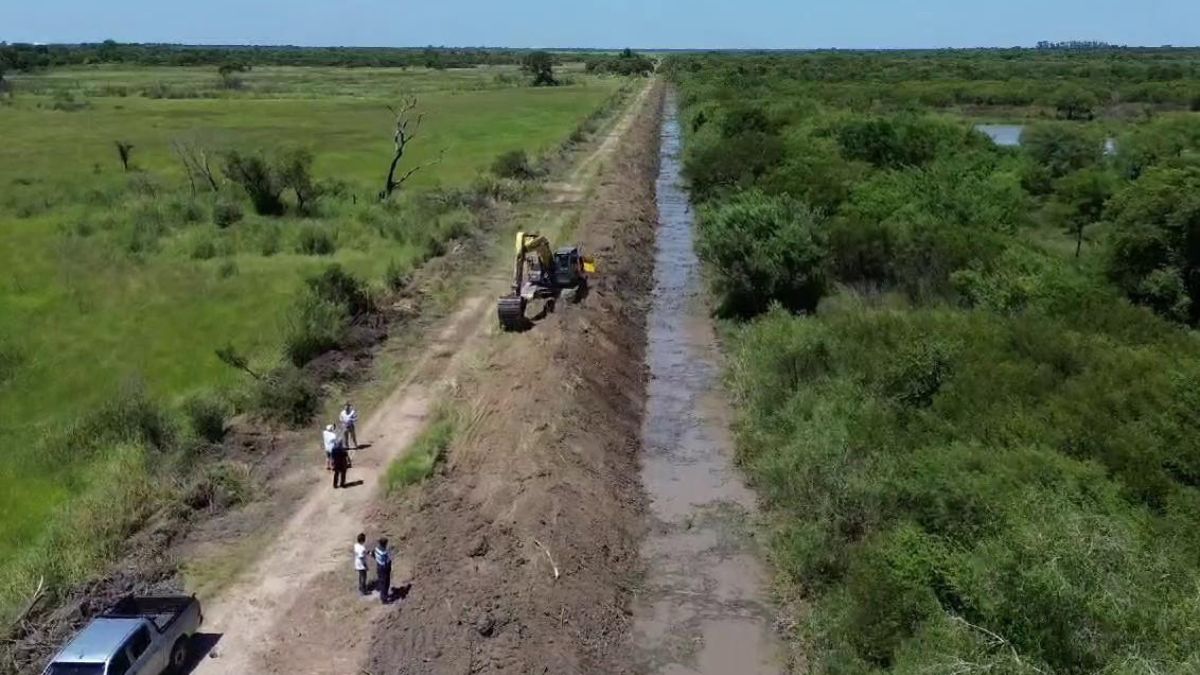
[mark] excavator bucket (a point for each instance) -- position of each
(511, 312)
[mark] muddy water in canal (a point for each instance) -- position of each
(703, 607)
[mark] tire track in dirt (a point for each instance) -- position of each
(524, 550)
(294, 611)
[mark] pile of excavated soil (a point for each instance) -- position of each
(523, 550)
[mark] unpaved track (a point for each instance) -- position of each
(524, 550)
(295, 610)
(253, 615)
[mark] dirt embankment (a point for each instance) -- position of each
(524, 549)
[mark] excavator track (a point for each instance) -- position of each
(511, 311)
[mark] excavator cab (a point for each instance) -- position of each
(568, 267)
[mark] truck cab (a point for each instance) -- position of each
(138, 636)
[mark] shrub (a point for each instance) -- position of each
(294, 169)
(1074, 102)
(1061, 148)
(397, 276)
(901, 140)
(514, 164)
(316, 326)
(254, 175)
(342, 289)
(1016, 483)
(315, 240)
(219, 486)
(226, 213)
(183, 211)
(764, 250)
(540, 66)
(204, 248)
(1154, 260)
(270, 240)
(716, 164)
(287, 396)
(206, 415)
(227, 269)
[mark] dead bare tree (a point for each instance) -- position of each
(124, 151)
(195, 164)
(408, 123)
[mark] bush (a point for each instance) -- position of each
(316, 326)
(287, 396)
(514, 164)
(901, 140)
(206, 415)
(1023, 482)
(254, 175)
(204, 248)
(316, 240)
(764, 250)
(342, 289)
(397, 276)
(270, 241)
(227, 269)
(1060, 149)
(1154, 260)
(715, 164)
(226, 213)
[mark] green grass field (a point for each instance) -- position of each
(107, 276)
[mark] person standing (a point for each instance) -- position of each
(350, 425)
(330, 441)
(340, 458)
(360, 562)
(383, 570)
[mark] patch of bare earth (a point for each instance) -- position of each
(523, 551)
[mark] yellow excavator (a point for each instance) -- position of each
(541, 273)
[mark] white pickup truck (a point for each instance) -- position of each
(138, 636)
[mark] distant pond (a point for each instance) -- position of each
(1009, 136)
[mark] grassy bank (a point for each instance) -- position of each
(976, 446)
(119, 286)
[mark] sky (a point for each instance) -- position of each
(676, 24)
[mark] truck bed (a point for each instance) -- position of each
(162, 611)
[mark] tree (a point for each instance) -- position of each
(1079, 201)
(124, 150)
(764, 250)
(407, 127)
(256, 177)
(1155, 255)
(294, 168)
(195, 164)
(1075, 103)
(1060, 148)
(228, 73)
(540, 66)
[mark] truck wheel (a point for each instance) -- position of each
(179, 656)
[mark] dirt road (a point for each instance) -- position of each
(294, 610)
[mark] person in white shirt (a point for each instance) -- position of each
(360, 563)
(330, 441)
(349, 423)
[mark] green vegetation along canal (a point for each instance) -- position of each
(702, 607)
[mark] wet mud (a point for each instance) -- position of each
(702, 608)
